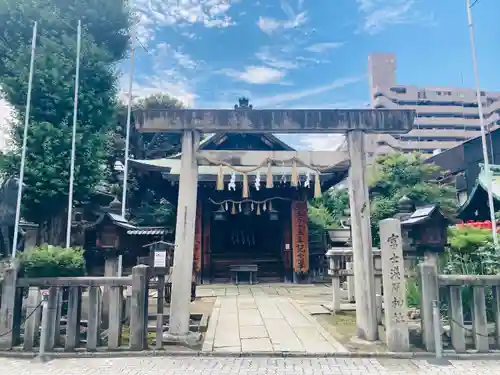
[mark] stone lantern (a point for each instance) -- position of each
(108, 235)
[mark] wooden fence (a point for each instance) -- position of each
(82, 312)
(484, 306)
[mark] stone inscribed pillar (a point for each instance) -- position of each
(393, 276)
(364, 284)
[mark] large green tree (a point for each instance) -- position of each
(392, 177)
(147, 203)
(104, 43)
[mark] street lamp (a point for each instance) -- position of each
(489, 183)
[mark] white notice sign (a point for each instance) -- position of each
(160, 259)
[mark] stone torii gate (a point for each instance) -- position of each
(354, 123)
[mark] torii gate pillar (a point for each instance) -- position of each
(359, 202)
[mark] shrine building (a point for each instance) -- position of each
(252, 205)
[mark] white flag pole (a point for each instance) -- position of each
(487, 170)
(127, 140)
(73, 138)
(25, 140)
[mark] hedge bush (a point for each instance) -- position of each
(52, 261)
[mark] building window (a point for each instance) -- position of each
(399, 90)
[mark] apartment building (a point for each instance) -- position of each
(446, 116)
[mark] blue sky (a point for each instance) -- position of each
(306, 53)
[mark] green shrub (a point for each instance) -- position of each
(412, 292)
(467, 239)
(52, 261)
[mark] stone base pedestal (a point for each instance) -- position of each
(190, 339)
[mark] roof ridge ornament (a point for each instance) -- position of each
(243, 103)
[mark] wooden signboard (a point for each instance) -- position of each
(197, 239)
(300, 244)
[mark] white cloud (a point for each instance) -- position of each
(270, 25)
(380, 14)
(155, 13)
(227, 99)
(165, 82)
(321, 142)
(170, 71)
(274, 61)
(258, 75)
(322, 47)
(280, 99)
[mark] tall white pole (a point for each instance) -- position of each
(25, 140)
(483, 126)
(127, 140)
(73, 137)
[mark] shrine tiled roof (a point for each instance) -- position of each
(482, 184)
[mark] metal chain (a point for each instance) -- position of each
(468, 329)
(25, 319)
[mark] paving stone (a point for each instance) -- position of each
(256, 345)
(242, 366)
(253, 332)
(263, 314)
(250, 317)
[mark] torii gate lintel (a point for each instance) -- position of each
(275, 121)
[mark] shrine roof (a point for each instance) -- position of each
(482, 185)
(118, 220)
(149, 231)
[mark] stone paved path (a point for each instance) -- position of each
(261, 319)
(244, 366)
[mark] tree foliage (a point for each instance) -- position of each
(395, 176)
(104, 42)
(146, 201)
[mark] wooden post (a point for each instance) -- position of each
(198, 242)
(52, 326)
(184, 236)
(366, 315)
(160, 300)
(479, 321)
(115, 317)
(206, 250)
(429, 293)
(496, 313)
(32, 325)
(138, 310)
(94, 321)
(9, 312)
(73, 323)
(393, 277)
(351, 295)
(336, 294)
(456, 314)
(110, 270)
